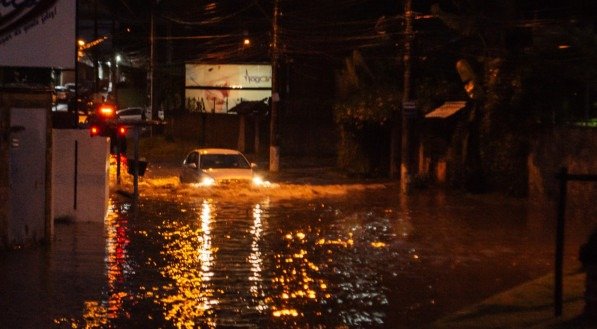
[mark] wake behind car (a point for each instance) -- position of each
(218, 167)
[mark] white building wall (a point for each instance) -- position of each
(80, 175)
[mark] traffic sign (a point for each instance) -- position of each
(409, 105)
(409, 109)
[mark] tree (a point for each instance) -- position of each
(501, 40)
(367, 100)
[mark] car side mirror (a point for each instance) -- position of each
(253, 165)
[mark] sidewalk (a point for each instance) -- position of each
(527, 306)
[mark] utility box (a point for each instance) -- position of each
(25, 166)
(80, 175)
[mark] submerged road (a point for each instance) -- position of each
(368, 259)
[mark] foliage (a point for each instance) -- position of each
(367, 102)
(555, 80)
(531, 71)
(364, 152)
(375, 105)
(364, 121)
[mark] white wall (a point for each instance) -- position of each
(91, 167)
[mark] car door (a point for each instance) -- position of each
(190, 168)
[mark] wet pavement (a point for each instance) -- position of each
(367, 259)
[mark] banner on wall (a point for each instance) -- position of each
(219, 88)
(38, 33)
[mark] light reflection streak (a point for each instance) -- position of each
(205, 251)
(189, 265)
(297, 278)
(116, 261)
(256, 259)
(97, 314)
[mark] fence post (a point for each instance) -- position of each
(558, 277)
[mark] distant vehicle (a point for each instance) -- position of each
(102, 115)
(70, 86)
(218, 167)
(131, 115)
(62, 94)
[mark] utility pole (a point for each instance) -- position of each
(114, 93)
(408, 165)
(73, 105)
(274, 156)
(152, 58)
(94, 51)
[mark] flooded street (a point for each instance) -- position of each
(366, 259)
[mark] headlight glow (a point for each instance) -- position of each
(207, 181)
(257, 180)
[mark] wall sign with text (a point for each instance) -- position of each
(37, 33)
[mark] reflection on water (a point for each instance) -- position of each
(116, 260)
(256, 259)
(97, 314)
(189, 255)
(377, 261)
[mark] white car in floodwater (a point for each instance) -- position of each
(218, 167)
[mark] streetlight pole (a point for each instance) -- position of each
(274, 156)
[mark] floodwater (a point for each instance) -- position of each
(368, 259)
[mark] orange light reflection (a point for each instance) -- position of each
(190, 253)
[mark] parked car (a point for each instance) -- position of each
(218, 167)
(131, 115)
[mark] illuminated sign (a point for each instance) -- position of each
(37, 33)
(219, 88)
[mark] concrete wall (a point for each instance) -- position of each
(80, 176)
(213, 130)
(571, 147)
(300, 134)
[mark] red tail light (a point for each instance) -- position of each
(122, 131)
(94, 131)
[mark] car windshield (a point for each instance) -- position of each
(218, 161)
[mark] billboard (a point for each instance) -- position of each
(38, 33)
(218, 88)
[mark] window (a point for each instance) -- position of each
(192, 158)
(224, 161)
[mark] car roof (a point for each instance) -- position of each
(216, 151)
(130, 109)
